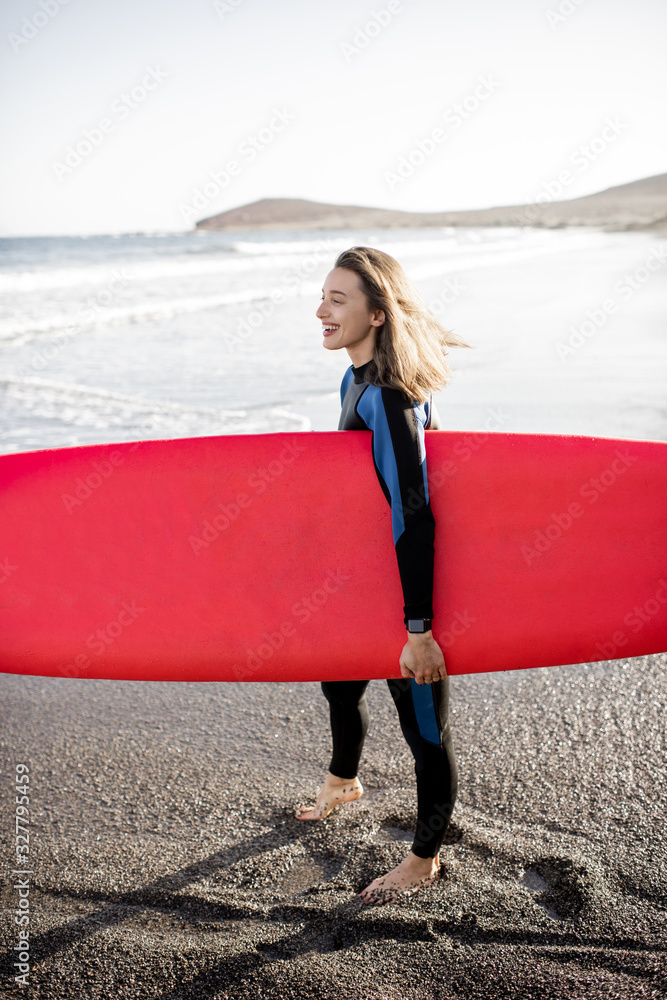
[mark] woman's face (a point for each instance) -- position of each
(347, 320)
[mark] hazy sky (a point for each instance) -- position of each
(116, 113)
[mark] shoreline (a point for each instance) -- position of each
(657, 226)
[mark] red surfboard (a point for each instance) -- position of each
(270, 557)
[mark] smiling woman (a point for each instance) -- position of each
(378, 316)
(398, 353)
(347, 319)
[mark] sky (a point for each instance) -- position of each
(146, 115)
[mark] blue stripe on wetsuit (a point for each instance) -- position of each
(409, 483)
(373, 413)
(422, 699)
(399, 456)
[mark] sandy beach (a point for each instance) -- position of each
(168, 863)
(165, 858)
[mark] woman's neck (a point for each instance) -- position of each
(359, 355)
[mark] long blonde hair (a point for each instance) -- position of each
(411, 346)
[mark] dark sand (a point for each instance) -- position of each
(168, 862)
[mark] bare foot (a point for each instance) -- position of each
(333, 791)
(406, 878)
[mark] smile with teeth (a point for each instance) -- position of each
(329, 328)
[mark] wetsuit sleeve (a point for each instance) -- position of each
(400, 463)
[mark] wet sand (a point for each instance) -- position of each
(168, 863)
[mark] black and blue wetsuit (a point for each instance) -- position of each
(398, 426)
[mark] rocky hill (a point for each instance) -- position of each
(638, 205)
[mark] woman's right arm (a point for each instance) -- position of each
(400, 462)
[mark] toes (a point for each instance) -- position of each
(312, 812)
(303, 812)
(377, 896)
(379, 893)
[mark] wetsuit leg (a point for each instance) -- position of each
(348, 710)
(423, 711)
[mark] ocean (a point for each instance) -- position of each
(162, 335)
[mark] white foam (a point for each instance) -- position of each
(125, 273)
(87, 317)
(102, 410)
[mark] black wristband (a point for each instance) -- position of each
(419, 624)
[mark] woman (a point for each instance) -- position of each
(397, 350)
